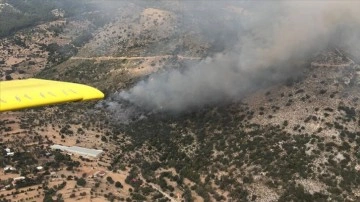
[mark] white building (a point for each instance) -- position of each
(79, 150)
(16, 179)
(9, 168)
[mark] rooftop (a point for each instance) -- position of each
(79, 150)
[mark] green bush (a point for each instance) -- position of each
(81, 182)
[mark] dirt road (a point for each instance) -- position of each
(134, 58)
(154, 186)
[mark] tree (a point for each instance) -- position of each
(118, 184)
(110, 180)
(81, 182)
(8, 77)
(48, 198)
(187, 195)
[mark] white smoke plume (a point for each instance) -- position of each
(272, 37)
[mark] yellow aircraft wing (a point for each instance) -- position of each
(20, 94)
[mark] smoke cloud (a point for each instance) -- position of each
(271, 38)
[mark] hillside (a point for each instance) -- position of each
(23, 14)
(292, 136)
(289, 142)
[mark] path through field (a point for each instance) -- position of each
(135, 57)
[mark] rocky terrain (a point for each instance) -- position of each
(296, 140)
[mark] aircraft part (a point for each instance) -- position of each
(20, 94)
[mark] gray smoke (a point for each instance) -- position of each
(272, 37)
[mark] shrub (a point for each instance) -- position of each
(118, 184)
(81, 182)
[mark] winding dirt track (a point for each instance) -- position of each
(134, 58)
(164, 193)
(317, 64)
(159, 189)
